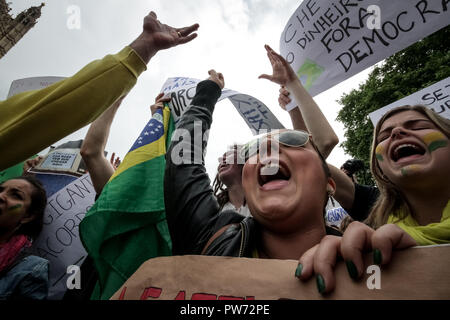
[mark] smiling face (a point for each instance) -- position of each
(292, 197)
(15, 199)
(410, 146)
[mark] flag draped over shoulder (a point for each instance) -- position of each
(127, 224)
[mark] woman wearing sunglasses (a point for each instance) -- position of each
(286, 185)
(409, 160)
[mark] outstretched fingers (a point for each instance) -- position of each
(186, 34)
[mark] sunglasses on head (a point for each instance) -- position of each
(290, 138)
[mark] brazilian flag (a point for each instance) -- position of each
(127, 224)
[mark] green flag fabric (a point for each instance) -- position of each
(127, 224)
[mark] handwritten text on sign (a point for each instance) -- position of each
(254, 112)
(435, 97)
(328, 41)
(59, 241)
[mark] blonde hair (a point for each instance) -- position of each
(391, 199)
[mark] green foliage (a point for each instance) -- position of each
(408, 71)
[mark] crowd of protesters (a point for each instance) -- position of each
(270, 205)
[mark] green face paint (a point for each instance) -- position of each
(378, 152)
(15, 207)
(410, 169)
(435, 140)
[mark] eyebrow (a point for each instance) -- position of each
(406, 124)
(18, 190)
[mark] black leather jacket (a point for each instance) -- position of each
(191, 208)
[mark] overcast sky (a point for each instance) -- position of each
(230, 39)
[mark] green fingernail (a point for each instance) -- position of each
(351, 268)
(377, 258)
(298, 271)
(320, 283)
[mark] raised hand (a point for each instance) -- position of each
(30, 164)
(217, 78)
(115, 162)
(159, 102)
(282, 72)
(158, 36)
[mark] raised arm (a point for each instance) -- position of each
(92, 150)
(189, 200)
(312, 117)
(70, 104)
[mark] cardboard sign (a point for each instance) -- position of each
(254, 112)
(415, 273)
(59, 241)
(436, 97)
(329, 41)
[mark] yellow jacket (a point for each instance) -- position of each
(33, 120)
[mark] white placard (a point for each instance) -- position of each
(254, 112)
(59, 241)
(328, 41)
(435, 97)
(27, 84)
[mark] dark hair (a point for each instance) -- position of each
(37, 208)
(353, 165)
(220, 191)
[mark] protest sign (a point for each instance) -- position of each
(59, 241)
(65, 158)
(415, 273)
(255, 113)
(436, 97)
(329, 41)
(34, 83)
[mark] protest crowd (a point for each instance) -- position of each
(274, 197)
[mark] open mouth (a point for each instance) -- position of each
(273, 172)
(406, 150)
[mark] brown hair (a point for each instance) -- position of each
(391, 199)
(38, 203)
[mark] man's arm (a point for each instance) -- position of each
(68, 105)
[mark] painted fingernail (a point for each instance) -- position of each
(298, 271)
(320, 283)
(377, 257)
(351, 268)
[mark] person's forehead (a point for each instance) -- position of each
(402, 117)
(20, 184)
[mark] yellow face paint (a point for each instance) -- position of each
(378, 152)
(435, 140)
(16, 207)
(410, 169)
